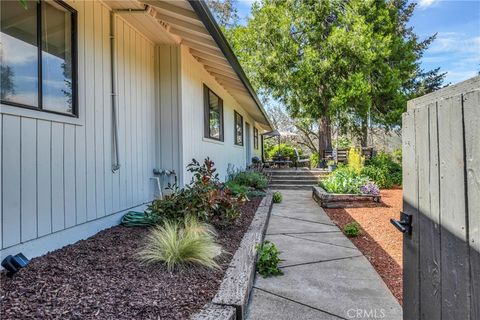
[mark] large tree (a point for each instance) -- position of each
(343, 61)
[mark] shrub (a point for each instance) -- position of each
(251, 179)
(255, 193)
(282, 150)
(277, 197)
(314, 160)
(205, 198)
(384, 170)
(236, 188)
(344, 180)
(352, 229)
(342, 142)
(355, 160)
(175, 244)
(268, 259)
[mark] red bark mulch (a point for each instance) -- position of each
(100, 278)
(380, 242)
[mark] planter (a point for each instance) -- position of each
(336, 200)
(231, 300)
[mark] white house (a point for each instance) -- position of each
(96, 96)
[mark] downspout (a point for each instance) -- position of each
(115, 151)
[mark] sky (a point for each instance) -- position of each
(456, 49)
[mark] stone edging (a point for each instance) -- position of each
(231, 300)
(334, 200)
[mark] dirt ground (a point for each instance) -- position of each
(380, 242)
(101, 278)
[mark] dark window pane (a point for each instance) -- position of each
(57, 58)
(214, 116)
(19, 53)
(238, 129)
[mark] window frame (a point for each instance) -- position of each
(235, 115)
(75, 113)
(255, 138)
(206, 114)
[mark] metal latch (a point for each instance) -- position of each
(405, 223)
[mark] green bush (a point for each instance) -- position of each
(268, 259)
(282, 150)
(277, 197)
(344, 180)
(314, 160)
(176, 244)
(352, 229)
(236, 188)
(250, 179)
(205, 198)
(385, 170)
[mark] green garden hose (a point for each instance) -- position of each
(139, 219)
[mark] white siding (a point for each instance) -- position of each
(57, 174)
(194, 144)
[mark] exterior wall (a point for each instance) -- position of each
(193, 76)
(56, 171)
(169, 130)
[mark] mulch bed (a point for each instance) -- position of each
(100, 278)
(380, 242)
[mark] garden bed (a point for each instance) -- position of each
(100, 278)
(380, 242)
(338, 200)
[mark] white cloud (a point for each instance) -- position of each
(16, 52)
(426, 3)
(455, 42)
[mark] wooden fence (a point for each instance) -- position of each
(441, 163)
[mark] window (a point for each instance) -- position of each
(238, 129)
(213, 115)
(38, 67)
(255, 138)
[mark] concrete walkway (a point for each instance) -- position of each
(325, 275)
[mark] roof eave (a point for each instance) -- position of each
(205, 15)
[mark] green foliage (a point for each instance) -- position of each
(255, 194)
(251, 179)
(397, 156)
(282, 150)
(176, 244)
(352, 229)
(236, 188)
(314, 160)
(342, 142)
(268, 259)
(336, 60)
(384, 170)
(355, 160)
(277, 197)
(344, 180)
(205, 198)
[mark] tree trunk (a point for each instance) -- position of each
(364, 138)
(324, 136)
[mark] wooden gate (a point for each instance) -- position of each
(441, 195)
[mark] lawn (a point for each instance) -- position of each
(380, 242)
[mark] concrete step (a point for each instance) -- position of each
(296, 177)
(290, 187)
(295, 182)
(287, 172)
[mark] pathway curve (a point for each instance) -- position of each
(325, 275)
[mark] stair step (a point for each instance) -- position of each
(290, 187)
(297, 172)
(293, 182)
(295, 177)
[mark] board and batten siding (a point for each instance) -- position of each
(56, 176)
(193, 77)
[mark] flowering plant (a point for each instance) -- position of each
(370, 188)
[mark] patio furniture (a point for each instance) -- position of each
(281, 162)
(301, 160)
